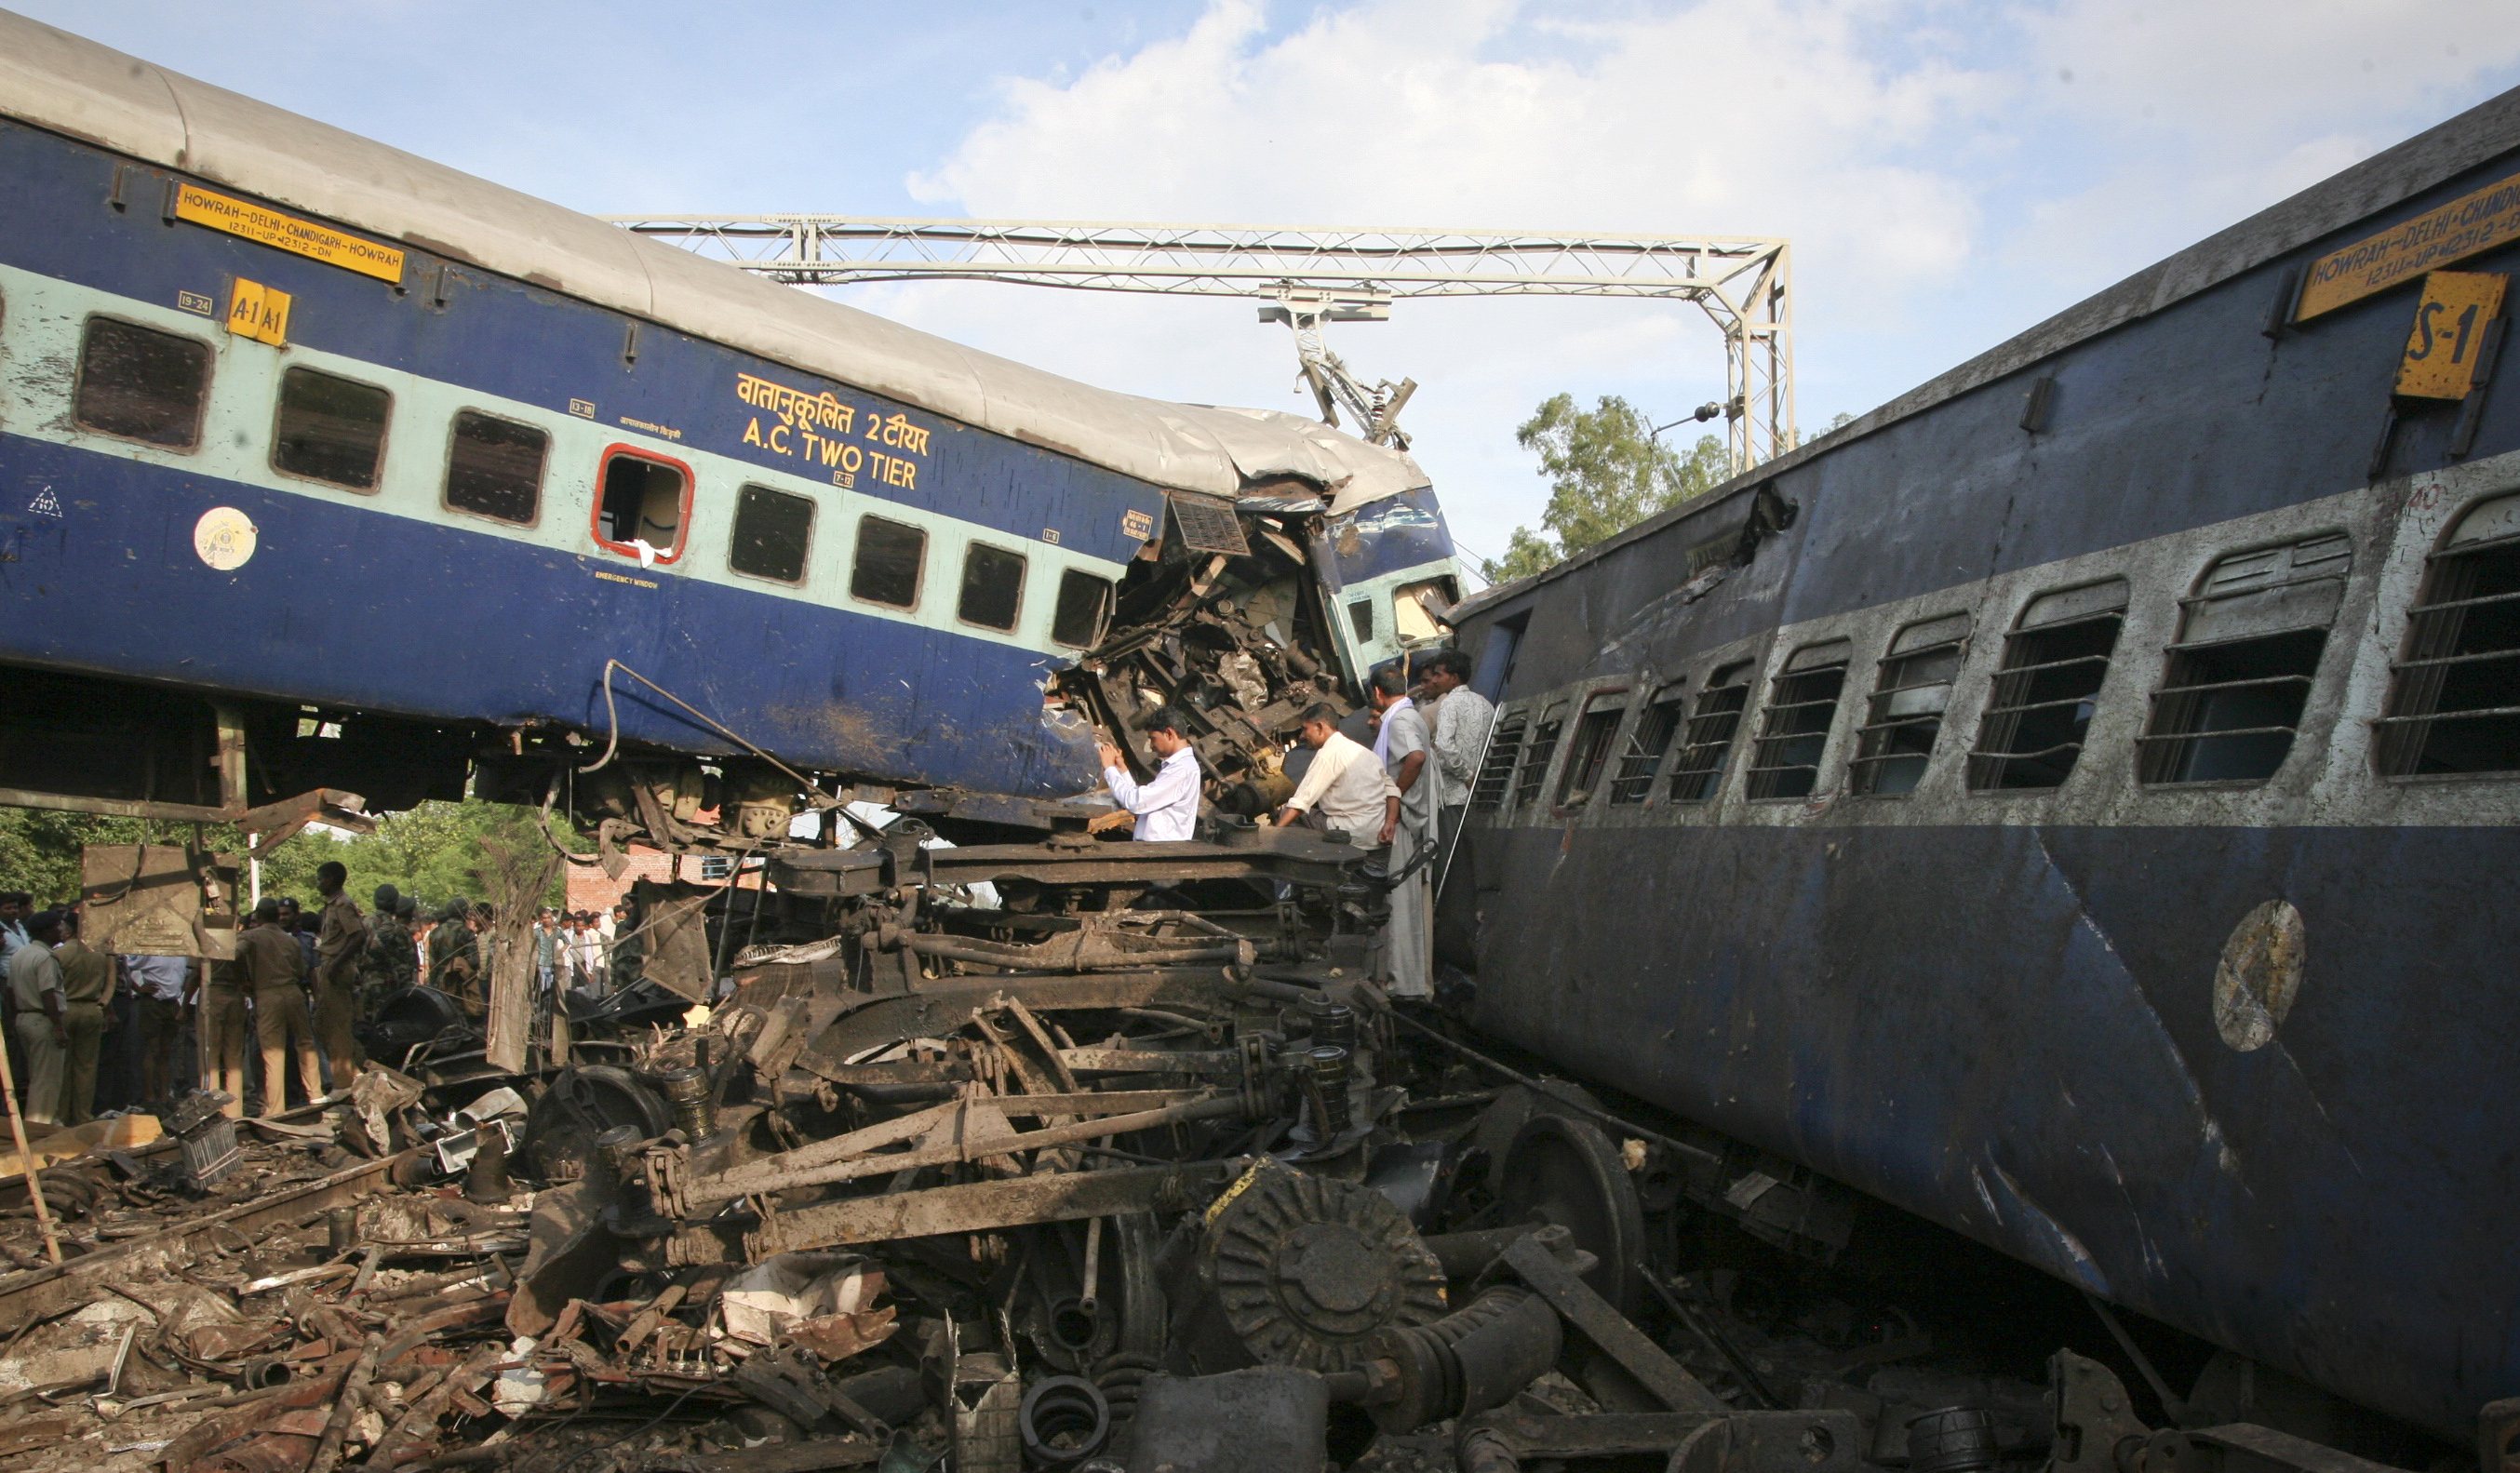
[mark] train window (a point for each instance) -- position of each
(1360, 617)
(1537, 755)
(772, 532)
(494, 468)
(2047, 688)
(1904, 715)
(141, 383)
(330, 428)
(1633, 782)
(2454, 690)
(1708, 739)
(1591, 751)
(993, 581)
(1794, 733)
(1084, 603)
(1418, 609)
(891, 558)
(2235, 684)
(1496, 771)
(642, 504)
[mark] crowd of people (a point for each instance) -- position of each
(277, 1024)
(1399, 785)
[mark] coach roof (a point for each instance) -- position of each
(64, 84)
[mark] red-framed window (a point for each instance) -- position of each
(641, 495)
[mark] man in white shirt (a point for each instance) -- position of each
(12, 925)
(1402, 741)
(1166, 804)
(1345, 786)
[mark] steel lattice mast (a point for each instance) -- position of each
(1307, 275)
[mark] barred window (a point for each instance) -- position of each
(2454, 702)
(1496, 773)
(2249, 641)
(1794, 733)
(1904, 716)
(1537, 755)
(141, 383)
(1646, 742)
(1707, 743)
(1591, 751)
(2047, 688)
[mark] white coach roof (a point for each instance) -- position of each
(62, 83)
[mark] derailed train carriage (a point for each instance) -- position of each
(2073, 801)
(331, 473)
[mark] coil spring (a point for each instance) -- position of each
(1119, 1377)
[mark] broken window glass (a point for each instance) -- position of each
(2249, 642)
(1634, 781)
(494, 468)
(773, 531)
(1418, 609)
(142, 384)
(2047, 688)
(2454, 690)
(1537, 755)
(1708, 741)
(1904, 715)
(1802, 706)
(891, 558)
(1084, 602)
(330, 428)
(993, 581)
(642, 499)
(1591, 750)
(1496, 773)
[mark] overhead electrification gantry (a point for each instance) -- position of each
(1306, 277)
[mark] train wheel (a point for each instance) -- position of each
(1565, 1171)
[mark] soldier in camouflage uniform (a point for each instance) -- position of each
(390, 962)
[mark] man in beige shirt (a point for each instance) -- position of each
(1345, 787)
(87, 983)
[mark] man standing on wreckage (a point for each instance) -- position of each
(1167, 805)
(1347, 789)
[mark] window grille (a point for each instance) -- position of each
(2454, 704)
(1793, 732)
(1496, 773)
(1633, 782)
(1591, 751)
(1537, 755)
(2047, 688)
(1708, 741)
(2249, 641)
(1904, 716)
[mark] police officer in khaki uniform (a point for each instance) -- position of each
(275, 969)
(87, 982)
(35, 1010)
(340, 941)
(224, 1030)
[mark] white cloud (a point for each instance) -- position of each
(1943, 184)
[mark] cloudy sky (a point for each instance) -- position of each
(1948, 172)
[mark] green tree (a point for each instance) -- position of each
(435, 852)
(1607, 471)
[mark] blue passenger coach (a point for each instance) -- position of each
(2079, 800)
(404, 467)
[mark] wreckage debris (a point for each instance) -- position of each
(1062, 1184)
